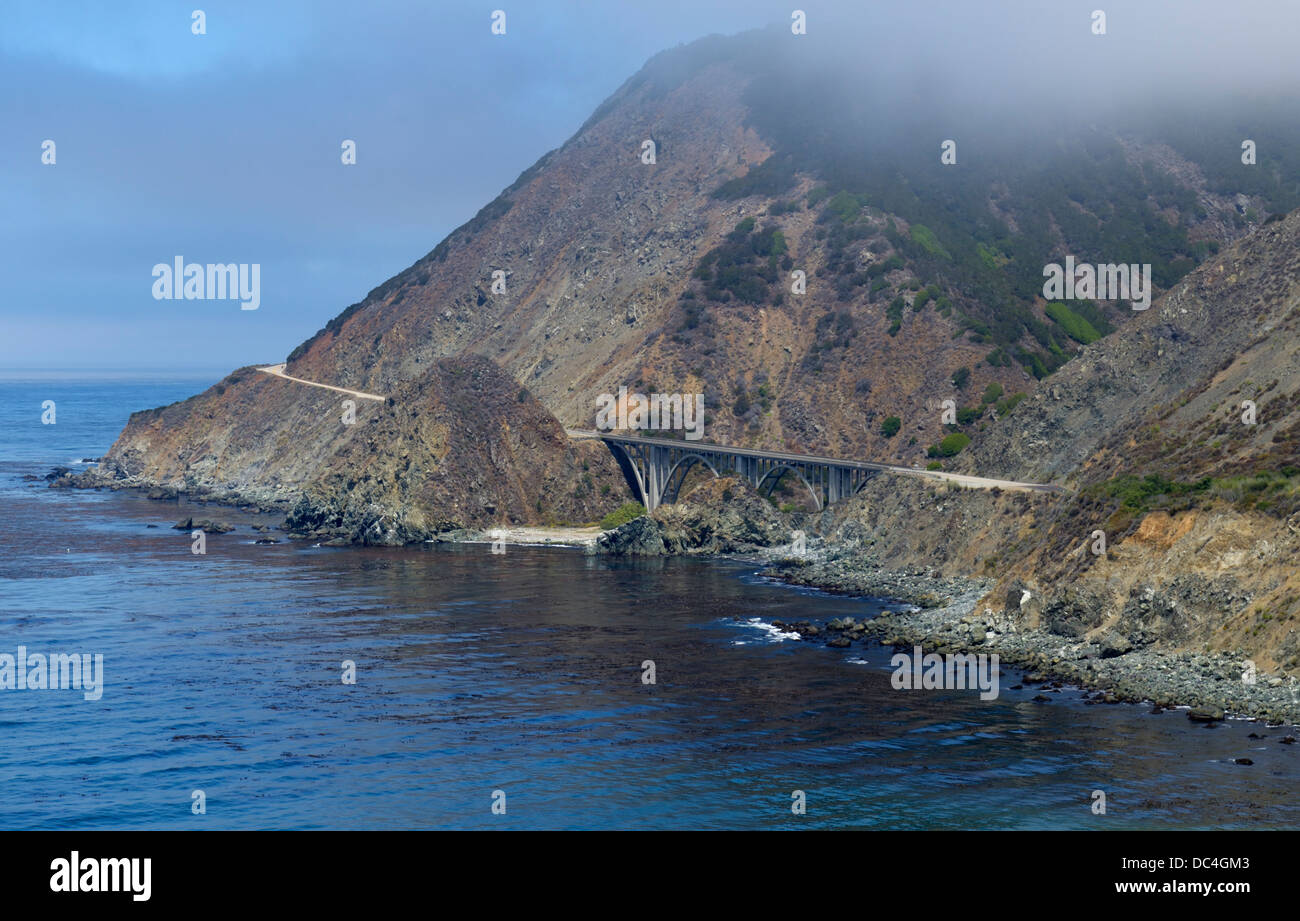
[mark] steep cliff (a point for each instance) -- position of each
(462, 446)
(1179, 441)
(661, 247)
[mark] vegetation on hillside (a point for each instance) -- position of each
(950, 446)
(979, 233)
(1074, 325)
(744, 269)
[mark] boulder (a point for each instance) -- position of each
(205, 525)
(1114, 645)
(639, 537)
(723, 515)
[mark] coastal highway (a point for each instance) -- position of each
(960, 479)
(278, 371)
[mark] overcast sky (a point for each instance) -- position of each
(225, 147)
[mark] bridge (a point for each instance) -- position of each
(658, 467)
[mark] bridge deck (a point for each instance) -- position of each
(960, 479)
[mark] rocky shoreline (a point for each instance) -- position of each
(944, 618)
(277, 500)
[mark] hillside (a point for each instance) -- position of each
(463, 446)
(674, 276)
(1200, 511)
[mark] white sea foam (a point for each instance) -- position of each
(771, 633)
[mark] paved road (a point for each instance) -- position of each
(278, 371)
(961, 479)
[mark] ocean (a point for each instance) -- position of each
(506, 690)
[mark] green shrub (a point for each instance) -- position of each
(622, 515)
(884, 266)
(889, 428)
(1032, 362)
(1075, 326)
(1007, 404)
(951, 445)
(818, 195)
(1141, 493)
(925, 238)
(988, 256)
(845, 206)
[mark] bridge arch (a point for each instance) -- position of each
(774, 475)
(636, 473)
(684, 464)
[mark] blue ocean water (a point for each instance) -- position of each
(519, 673)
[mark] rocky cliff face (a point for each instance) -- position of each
(1166, 395)
(462, 446)
(1193, 474)
(602, 266)
(1181, 528)
(592, 243)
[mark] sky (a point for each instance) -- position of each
(225, 147)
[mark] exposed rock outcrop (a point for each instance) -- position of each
(462, 446)
(723, 515)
